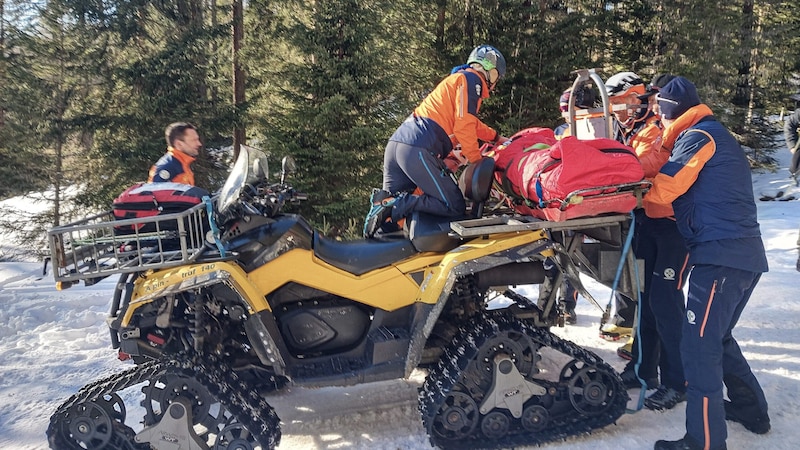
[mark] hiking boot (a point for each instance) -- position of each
(570, 317)
(631, 381)
(380, 212)
(686, 443)
(755, 423)
(664, 398)
(612, 332)
(626, 351)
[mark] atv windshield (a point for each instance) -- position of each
(250, 166)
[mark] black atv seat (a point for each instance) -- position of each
(361, 256)
(431, 233)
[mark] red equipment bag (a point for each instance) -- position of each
(556, 183)
(152, 199)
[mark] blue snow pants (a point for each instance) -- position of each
(663, 250)
(406, 167)
(717, 296)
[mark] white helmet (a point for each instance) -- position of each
(624, 83)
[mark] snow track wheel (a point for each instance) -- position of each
(209, 416)
(89, 425)
(495, 425)
(535, 418)
(492, 366)
(236, 437)
(590, 392)
(458, 418)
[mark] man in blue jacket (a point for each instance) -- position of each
(708, 183)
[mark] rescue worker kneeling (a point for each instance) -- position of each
(415, 176)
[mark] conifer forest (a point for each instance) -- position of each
(88, 86)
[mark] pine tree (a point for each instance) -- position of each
(20, 147)
(336, 109)
(164, 70)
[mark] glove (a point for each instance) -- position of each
(455, 160)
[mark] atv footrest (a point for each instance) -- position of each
(387, 345)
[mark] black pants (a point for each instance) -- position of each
(405, 168)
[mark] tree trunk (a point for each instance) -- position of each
(441, 16)
(238, 76)
(741, 96)
(2, 52)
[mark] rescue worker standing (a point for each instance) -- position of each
(636, 126)
(791, 132)
(584, 99)
(414, 157)
(661, 246)
(707, 182)
(183, 146)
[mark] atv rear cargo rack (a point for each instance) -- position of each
(595, 245)
(508, 223)
(98, 246)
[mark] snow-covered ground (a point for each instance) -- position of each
(52, 343)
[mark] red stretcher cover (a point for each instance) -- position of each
(152, 199)
(560, 180)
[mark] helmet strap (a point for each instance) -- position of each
(485, 74)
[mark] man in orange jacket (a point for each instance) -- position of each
(636, 126)
(415, 176)
(654, 354)
(183, 146)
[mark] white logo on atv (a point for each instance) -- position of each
(669, 274)
(690, 317)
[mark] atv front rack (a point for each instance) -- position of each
(98, 246)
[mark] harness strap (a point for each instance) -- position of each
(213, 224)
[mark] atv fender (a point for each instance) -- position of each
(155, 285)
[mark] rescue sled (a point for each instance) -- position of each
(583, 175)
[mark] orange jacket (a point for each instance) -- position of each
(447, 117)
(175, 166)
(648, 142)
(648, 146)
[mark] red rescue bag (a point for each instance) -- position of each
(152, 199)
(543, 181)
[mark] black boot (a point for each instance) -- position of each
(743, 406)
(686, 443)
(380, 212)
(753, 420)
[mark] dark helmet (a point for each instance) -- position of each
(489, 58)
(584, 98)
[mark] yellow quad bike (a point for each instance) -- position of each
(222, 304)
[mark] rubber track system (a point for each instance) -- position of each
(239, 397)
(448, 389)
